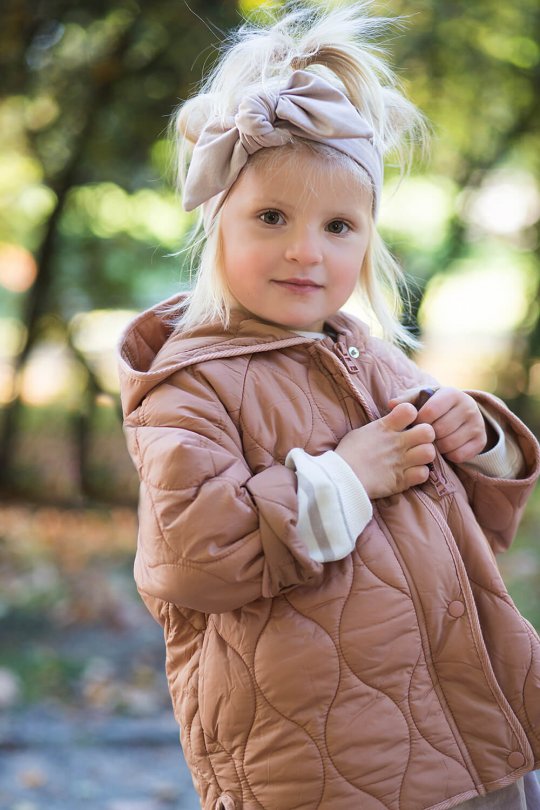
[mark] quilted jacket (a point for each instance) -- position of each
(401, 677)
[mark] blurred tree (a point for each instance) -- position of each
(480, 65)
(474, 69)
(91, 85)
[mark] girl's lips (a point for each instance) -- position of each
(299, 287)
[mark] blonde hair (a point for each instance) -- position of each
(336, 44)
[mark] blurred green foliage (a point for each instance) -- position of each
(88, 88)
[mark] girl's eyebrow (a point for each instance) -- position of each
(262, 201)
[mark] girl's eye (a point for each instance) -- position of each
(337, 226)
(270, 217)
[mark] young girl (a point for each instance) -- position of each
(317, 543)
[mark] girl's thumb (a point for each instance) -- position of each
(401, 416)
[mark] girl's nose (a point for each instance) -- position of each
(304, 248)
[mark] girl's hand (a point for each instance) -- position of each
(460, 429)
(386, 457)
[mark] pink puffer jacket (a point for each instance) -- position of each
(399, 678)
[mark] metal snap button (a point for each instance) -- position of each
(456, 609)
(354, 352)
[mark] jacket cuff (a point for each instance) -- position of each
(505, 460)
(333, 506)
(498, 503)
(518, 432)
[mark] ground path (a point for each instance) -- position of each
(57, 759)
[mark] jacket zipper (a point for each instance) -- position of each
(441, 485)
(340, 350)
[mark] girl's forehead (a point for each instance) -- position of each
(300, 174)
(293, 165)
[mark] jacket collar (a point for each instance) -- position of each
(150, 350)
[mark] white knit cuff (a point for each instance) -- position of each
(502, 461)
(333, 506)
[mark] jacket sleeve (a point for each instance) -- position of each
(333, 506)
(213, 535)
(498, 503)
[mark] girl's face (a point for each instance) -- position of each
(294, 241)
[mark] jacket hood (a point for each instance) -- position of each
(150, 350)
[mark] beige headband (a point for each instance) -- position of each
(307, 106)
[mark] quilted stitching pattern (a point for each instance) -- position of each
(355, 681)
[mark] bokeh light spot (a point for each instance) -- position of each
(18, 268)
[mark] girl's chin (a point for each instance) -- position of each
(289, 323)
(299, 327)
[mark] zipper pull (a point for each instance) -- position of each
(421, 400)
(346, 356)
(438, 483)
(423, 397)
(437, 480)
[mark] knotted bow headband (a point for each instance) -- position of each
(307, 106)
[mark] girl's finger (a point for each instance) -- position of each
(448, 424)
(416, 475)
(442, 401)
(399, 418)
(419, 434)
(464, 450)
(420, 455)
